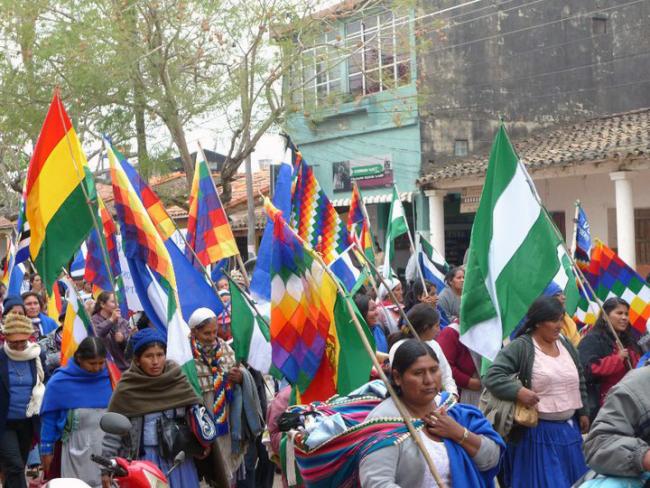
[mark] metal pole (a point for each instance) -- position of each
(250, 204)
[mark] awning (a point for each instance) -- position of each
(406, 196)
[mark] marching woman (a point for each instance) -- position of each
(109, 325)
(389, 312)
(150, 392)
(449, 298)
(76, 397)
(541, 369)
(22, 385)
(463, 445)
(215, 366)
(41, 323)
(602, 361)
(368, 310)
(463, 362)
(416, 294)
(426, 322)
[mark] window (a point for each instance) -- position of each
(599, 24)
(379, 53)
(461, 148)
(318, 74)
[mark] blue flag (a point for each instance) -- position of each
(261, 280)
(583, 238)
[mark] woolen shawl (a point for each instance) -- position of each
(138, 394)
(73, 387)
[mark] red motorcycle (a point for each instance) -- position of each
(125, 473)
(136, 474)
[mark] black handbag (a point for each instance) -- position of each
(174, 436)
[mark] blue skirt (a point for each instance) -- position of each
(549, 455)
(185, 476)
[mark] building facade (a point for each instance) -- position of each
(536, 66)
(356, 115)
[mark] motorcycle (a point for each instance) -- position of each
(125, 473)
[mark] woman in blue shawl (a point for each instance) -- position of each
(463, 445)
(76, 397)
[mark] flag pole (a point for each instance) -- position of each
(238, 257)
(575, 228)
(364, 211)
(408, 232)
(398, 403)
(578, 271)
(373, 269)
(250, 302)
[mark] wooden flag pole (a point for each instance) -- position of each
(408, 232)
(373, 269)
(398, 403)
(248, 300)
(581, 278)
(576, 269)
(238, 257)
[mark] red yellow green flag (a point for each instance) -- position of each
(59, 194)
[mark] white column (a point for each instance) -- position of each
(437, 219)
(625, 235)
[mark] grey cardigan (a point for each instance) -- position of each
(518, 358)
(402, 465)
(620, 435)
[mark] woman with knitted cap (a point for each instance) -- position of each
(149, 393)
(22, 385)
(215, 365)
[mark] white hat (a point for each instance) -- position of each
(199, 316)
(393, 350)
(392, 283)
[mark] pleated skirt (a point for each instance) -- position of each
(549, 455)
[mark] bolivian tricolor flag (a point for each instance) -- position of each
(60, 195)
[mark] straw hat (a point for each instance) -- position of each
(17, 327)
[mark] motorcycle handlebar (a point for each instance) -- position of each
(102, 461)
(109, 464)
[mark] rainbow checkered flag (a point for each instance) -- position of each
(208, 231)
(610, 276)
(313, 216)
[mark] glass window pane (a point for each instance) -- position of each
(371, 52)
(335, 87)
(387, 51)
(321, 92)
(353, 28)
(403, 73)
(356, 85)
(369, 23)
(372, 81)
(388, 77)
(354, 62)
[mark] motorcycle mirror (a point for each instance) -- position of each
(180, 458)
(115, 423)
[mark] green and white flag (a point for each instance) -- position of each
(513, 253)
(251, 338)
(397, 226)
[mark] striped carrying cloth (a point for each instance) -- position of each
(333, 461)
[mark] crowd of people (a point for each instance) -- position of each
(553, 384)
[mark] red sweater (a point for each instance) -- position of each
(459, 357)
(611, 369)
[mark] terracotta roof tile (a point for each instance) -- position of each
(616, 136)
(5, 223)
